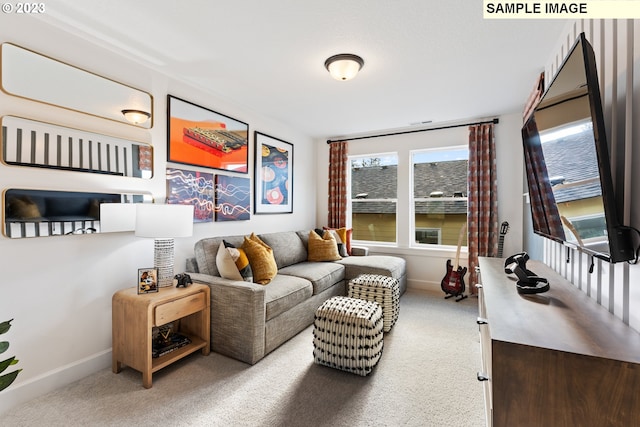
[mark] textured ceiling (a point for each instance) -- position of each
(425, 60)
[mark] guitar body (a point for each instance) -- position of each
(453, 282)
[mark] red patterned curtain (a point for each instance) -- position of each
(544, 209)
(541, 197)
(483, 198)
(338, 184)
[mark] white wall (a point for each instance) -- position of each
(616, 44)
(58, 289)
(426, 267)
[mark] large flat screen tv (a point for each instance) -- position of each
(566, 157)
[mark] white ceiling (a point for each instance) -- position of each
(425, 60)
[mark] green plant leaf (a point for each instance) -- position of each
(5, 326)
(6, 380)
(4, 345)
(6, 363)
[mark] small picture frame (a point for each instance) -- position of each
(147, 280)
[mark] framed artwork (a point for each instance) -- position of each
(198, 136)
(233, 198)
(273, 175)
(147, 280)
(187, 187)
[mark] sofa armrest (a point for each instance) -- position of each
(237, 317)
(359, 250)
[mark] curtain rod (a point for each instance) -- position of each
(494, 121)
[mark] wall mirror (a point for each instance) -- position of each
(28, 74)
(31, 143)
(40, 213)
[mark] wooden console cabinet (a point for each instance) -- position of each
(135, 315)
(555, 358)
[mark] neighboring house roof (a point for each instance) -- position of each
(371, 184)
(574, 159)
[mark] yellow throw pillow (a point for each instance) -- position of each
(322, 248)
(261, 259)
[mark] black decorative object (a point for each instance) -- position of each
(183, 279)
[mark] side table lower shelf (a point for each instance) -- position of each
(158, 363)
(134, 317)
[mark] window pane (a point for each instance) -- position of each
(440, 195)
(374, 183)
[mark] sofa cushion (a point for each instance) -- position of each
(232, 263)
(260, 255)
(285, 292)
(340, 240)
(287, 247)
(322, 248)
(226, 265)
(373, 264)
(206, 250)
(345, 235)
(322, 275)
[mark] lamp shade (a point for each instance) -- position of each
(164, 221)
(116, 217)
(344, 66)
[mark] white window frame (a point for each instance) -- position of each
(350, 159)
(412, 201)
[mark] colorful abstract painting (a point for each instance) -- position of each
(233, 198)
(201, 137)
(273, 175)
(186, 187)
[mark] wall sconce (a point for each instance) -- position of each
(136, 116)
(163, 223)
(344, 66)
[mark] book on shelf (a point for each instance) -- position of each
(176, 341)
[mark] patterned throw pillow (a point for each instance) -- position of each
(226, 265)
(322, 248)
(233, 263)
(345, 236)
(261, 259)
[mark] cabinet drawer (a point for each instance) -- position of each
(179, 308)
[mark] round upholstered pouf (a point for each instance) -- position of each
(381, 289)
(347, 334)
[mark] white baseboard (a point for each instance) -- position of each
(422, 285)
(23, 392)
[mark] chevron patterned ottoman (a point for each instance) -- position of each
(347, 334)
(384, 290)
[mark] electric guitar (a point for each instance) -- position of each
(504, 228)
(453, 282)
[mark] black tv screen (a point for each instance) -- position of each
(566, 158)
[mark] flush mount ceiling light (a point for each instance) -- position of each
(344, 66)
(136, 116)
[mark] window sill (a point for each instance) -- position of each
(444, 252)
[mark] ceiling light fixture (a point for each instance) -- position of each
(344, 66)
(136, 117)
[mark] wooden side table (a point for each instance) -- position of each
(135, 315)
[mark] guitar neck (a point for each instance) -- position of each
(463, 230)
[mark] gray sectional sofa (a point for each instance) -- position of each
(249, 320)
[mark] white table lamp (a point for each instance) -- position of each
(117, 217)
(163, 223)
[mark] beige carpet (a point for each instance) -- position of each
(426, 377)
